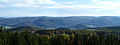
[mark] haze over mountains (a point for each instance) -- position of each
(56, 22)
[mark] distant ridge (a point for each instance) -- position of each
(56, 22)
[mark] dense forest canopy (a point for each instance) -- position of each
(58, 37)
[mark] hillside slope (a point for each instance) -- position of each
(25, 28)
(56, 22)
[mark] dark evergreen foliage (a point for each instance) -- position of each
(58, 37)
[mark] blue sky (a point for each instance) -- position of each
(21, 8)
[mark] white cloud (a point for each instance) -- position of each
(36, 3)
(100, 5)
(27, 3)
(109, 5)
(64, 15)
(72, 6)
(70, 2)
(95, 0)
(44, 2)
(23, 5)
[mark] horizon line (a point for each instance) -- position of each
(54, 16)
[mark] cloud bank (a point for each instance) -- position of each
(61, 7)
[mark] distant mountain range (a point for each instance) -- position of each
(56, 22)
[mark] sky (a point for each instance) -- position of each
(21, 8)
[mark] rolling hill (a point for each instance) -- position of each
(25, 28)
(1, 18)
(56, 22)
(107, 28)
(79, 26)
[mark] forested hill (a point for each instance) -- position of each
(25, 28)
(108, 28)
(81, 26)
(1, 18)
(58, 37)
(56, 22)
